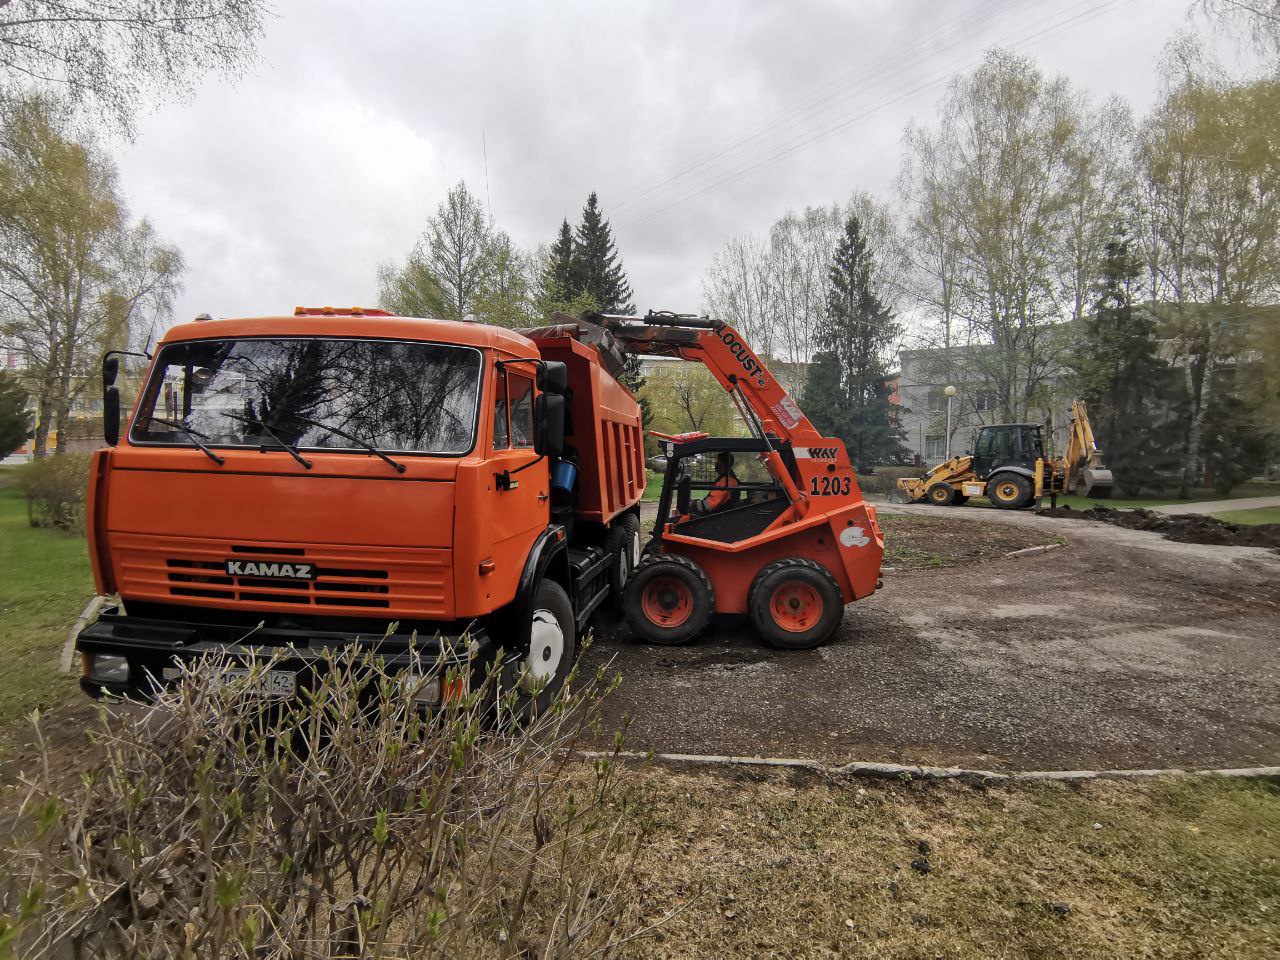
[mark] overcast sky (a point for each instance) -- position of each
(693, 120)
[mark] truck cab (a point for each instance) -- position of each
(348, 476)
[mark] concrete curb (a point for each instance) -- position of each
(1027, 551)
(897, 771)
(69, 648)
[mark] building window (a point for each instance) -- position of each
(983, 402)
(935, 448)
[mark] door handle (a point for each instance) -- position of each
(543, 498)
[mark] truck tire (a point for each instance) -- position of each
(795, 604)
(669, 600)
(1009, 491)
(622, 544)
(940, 494)
(552, 649)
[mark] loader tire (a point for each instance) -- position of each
(941, 494)
(622, 544)
(669, 600)
(795, 604)
(1010, 491)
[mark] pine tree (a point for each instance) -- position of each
(1128, 386)
(847, 394)
(597, 270)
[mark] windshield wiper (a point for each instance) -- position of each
(192, 435)
(349, 436)
(266, 428)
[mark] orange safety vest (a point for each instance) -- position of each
(720, 495)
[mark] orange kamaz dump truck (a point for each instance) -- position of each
(292, 482)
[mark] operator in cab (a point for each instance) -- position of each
(723, 493)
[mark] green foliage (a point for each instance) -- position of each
(847, 395)
(55, 488)
(685, 397)
(1131, 391)
(411, 291)
(15, 421)
(557, 280)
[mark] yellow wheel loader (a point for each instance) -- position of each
(1009, 467)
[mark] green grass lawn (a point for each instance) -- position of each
(45, 584)
(653, 487)
(1251, 517)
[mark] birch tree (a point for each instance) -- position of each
(76, 276)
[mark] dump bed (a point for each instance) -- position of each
(604, 430)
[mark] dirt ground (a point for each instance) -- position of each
(1119, 649)
(1185, 528)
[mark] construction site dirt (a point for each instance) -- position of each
(1115, 648)
(1186, 528)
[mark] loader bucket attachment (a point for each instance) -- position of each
(1095, 483)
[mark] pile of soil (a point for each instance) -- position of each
(1185, 528)
(915, 542)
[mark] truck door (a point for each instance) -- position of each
(519, 505)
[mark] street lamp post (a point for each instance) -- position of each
(950, 393)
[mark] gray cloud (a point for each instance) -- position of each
(295, 183)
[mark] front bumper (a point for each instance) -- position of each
(152, 645)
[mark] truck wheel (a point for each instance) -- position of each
(552, 649)
(669, 600)
(622, 544)
(941, 494)
(795, 604)
(1009, 491)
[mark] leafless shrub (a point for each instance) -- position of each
(344, 823)
(55, 488)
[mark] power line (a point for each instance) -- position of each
(800, 143)
(823, 97)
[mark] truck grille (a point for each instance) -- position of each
(354, 579)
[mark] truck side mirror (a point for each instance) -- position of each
(111, 415)
(553, 377)
(684, 496)
(548, 410)
(110, 400)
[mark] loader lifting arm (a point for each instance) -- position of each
(1082, 465)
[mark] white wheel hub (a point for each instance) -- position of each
(546, 650)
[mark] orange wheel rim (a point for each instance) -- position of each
(667, 601)
(796, 607)
(1007, 490)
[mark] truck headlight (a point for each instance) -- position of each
(425, 691)
(106, 667)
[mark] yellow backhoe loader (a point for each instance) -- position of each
(1009, 467)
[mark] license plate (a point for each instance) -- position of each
(270, 684)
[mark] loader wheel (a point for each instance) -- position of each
(669, 600)
(941, 494)
(552, 650)
(795, 604)
(622, 544)
(1009, 491)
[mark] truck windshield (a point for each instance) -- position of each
(398, 396)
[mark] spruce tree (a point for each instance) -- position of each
(1120, 374)
(558, 273)
(597, 271)
(847, 394)
(15, 420)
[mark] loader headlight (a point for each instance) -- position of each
(106, 667)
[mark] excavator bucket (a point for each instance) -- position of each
(1095, 483)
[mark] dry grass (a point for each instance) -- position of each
(771, 867)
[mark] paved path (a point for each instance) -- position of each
(1121, 649)
(1219, 506)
